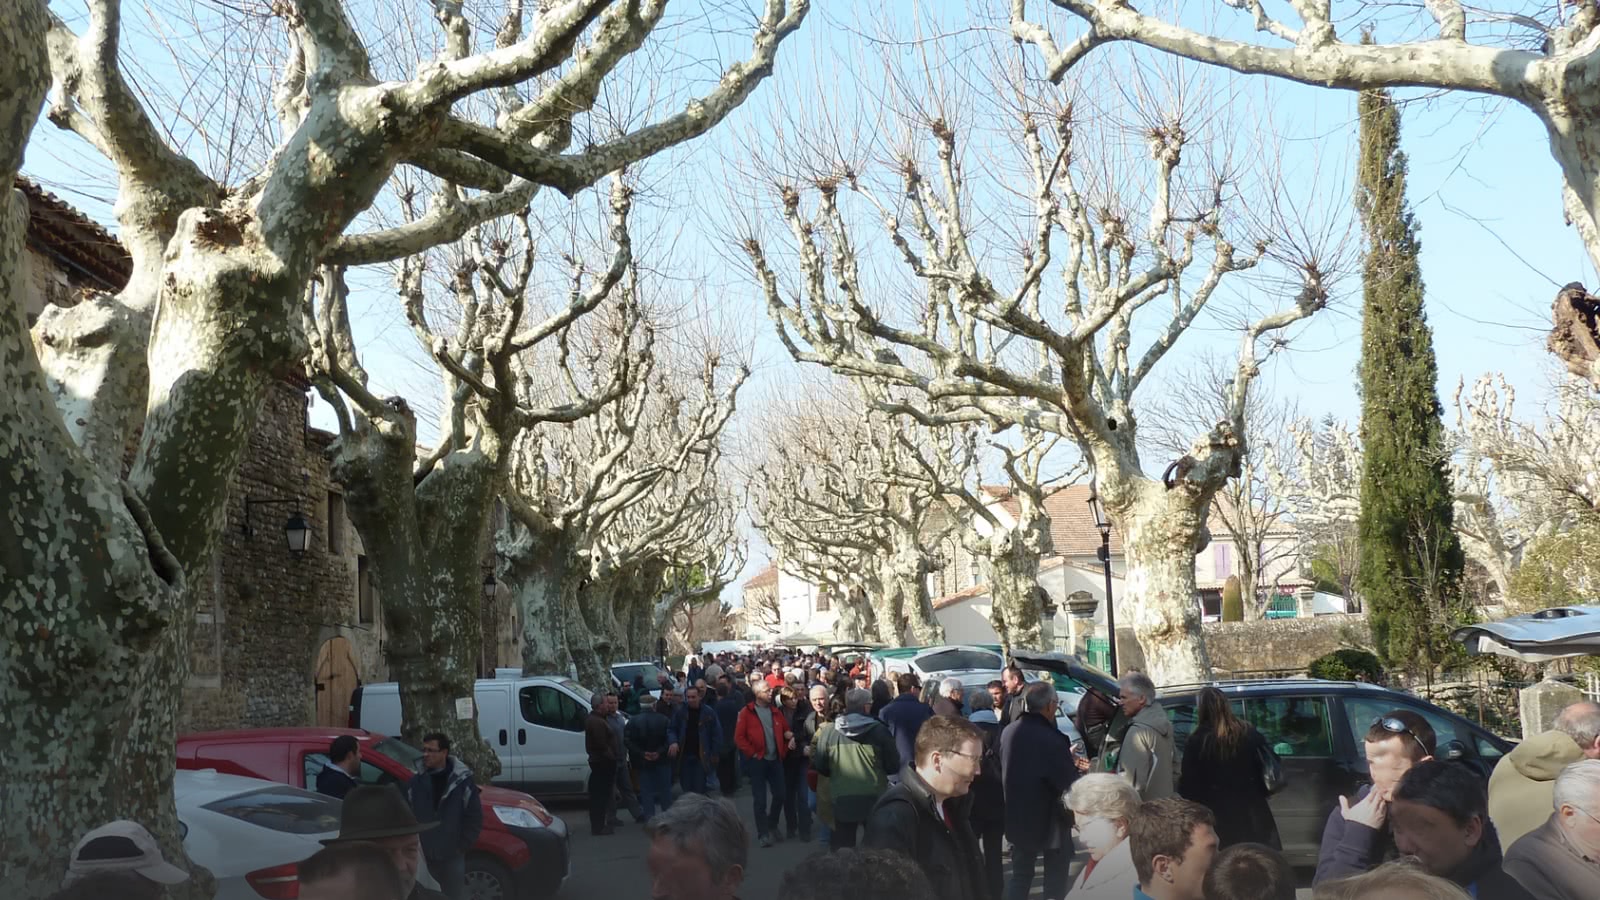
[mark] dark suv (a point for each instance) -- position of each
(1317, 728)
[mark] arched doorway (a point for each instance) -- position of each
(336, 680)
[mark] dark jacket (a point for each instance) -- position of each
(904, 715)
(905, 819)
(334, 781)
(711, 738)
(1015, 705)
(944, 706)
(459, 811)
(728, 709)
(1482, 876)
(1546, 863)
(988, 791)
(1036, 769)
(1095, 714)
(1232, 785)
(648, 732)
(418, 892)
(1350, 849)
(857, 755)
(600, 743)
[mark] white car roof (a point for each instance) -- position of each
(199, 787)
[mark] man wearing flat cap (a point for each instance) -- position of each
(381, 815)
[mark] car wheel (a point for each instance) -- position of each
(488, 880)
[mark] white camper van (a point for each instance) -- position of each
(533, 722)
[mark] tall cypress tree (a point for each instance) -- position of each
(1411, 561)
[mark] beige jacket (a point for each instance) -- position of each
(1523, 787)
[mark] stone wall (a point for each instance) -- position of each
(265, 610)
(1281, 645)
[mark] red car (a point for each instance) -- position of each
(522, 853)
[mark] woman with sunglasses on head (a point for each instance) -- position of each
(1358, 836)
(1224, 770)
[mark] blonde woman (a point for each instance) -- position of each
(1102, 804)
(1392, 881)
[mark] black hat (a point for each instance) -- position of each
(375, 811)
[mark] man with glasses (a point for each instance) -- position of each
(925, 816)
(1560, 860)
(1358, 835)
(444, 793)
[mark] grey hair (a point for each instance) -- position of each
(1139, 683)
(597, 698)
(1581, 722)
(1104, 795)
(1039, 696)
(1578, 786)
(857, 700)
(950, 684)
(713, 824)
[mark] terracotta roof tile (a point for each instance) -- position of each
(77, 239)
(765, 578)
(1072, 527)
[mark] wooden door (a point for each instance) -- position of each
(336, 680)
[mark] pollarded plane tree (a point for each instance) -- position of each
(978, 305)
(1543, 58)
(95, 641)
(1517, 482)
(671, 554)
(1253, 517)
(568, 485)
(1319, 480)
(425, 518)
(1009, 541)
(828, 495)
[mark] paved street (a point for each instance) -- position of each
(613, 868)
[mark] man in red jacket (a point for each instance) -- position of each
(763, 738)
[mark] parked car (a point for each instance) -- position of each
(534, 723)
(625, 672)
(521, 853)
(251, 833)
(1318, 728)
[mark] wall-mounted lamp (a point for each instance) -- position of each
(296, 530)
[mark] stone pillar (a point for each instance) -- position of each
(1542, 702)
(1306, 596)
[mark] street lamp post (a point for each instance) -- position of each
(1104, 553)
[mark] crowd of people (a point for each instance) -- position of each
(918, 791)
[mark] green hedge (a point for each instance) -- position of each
(1346, 665)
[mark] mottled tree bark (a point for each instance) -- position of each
(425, 543)
(536, 569)
(1013, 555)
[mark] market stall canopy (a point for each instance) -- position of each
(1561, 632)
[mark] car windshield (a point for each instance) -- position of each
(399, 751)
(952, 660)
(628, 673)
(284, 808)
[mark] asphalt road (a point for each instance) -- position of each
(613, 868)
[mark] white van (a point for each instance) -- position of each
(533, 722)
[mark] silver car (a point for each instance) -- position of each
(252, 834)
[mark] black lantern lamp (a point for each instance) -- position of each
(1104, 553)
(296, 530)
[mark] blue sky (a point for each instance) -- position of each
(1483, 185)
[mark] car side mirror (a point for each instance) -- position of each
(1453, 751)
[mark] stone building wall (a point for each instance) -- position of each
(265, 611)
